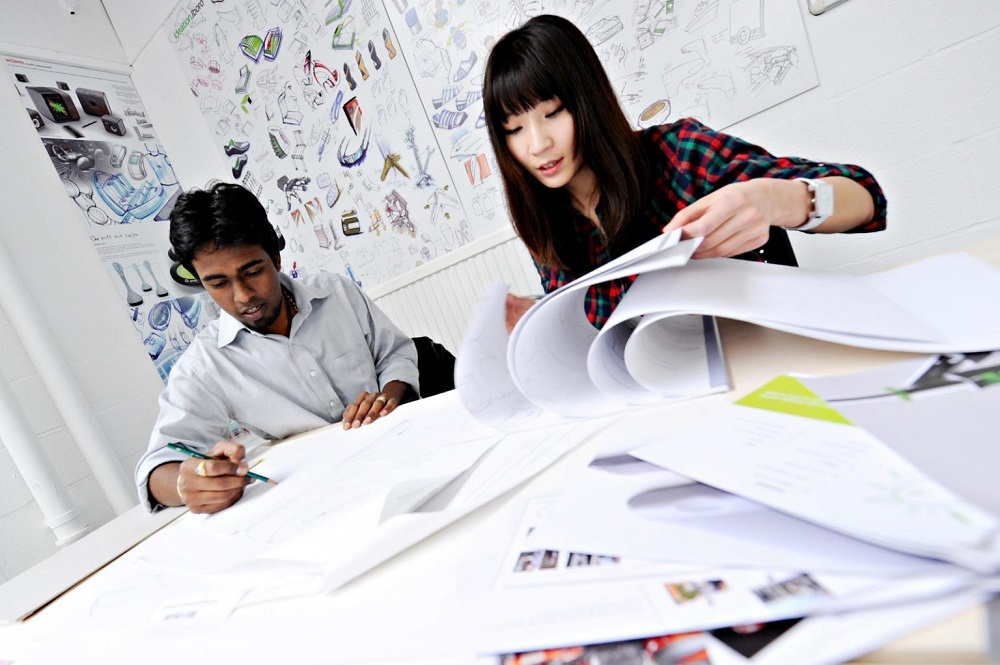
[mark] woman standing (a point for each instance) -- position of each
(583, 187)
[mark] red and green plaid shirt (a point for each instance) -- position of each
(690, 161)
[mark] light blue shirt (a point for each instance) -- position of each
(275, 386)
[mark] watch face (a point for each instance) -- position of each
(823, 195)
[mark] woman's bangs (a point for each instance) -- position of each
(520, 89)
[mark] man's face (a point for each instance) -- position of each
(243, 281)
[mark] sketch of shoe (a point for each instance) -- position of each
(481, 120)
(236, 147)
(468, 99)
(465, 67)
(361, 65)
(446, 96)
(374, 55)
(388, 43)
(446, 119)
(241, 161)
(350, 79)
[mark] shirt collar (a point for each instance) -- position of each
(229, 326)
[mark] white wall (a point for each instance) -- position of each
(41, 231)
(908, 89)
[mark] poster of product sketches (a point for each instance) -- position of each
(315, 109)
(359, 123)
(93, 127)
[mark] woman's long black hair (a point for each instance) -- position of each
(549, 57)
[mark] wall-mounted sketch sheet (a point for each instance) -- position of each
(789, 449)
(719, 61)
(525, 596)
(95, 130)
(314, 107)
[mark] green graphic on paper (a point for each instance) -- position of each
(787, 395)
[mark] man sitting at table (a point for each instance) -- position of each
(283, 357)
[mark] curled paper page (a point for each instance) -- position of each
(482, 377)
(550, 346)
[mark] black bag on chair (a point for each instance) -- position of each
(436, 365)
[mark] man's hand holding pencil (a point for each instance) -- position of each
(213, 481)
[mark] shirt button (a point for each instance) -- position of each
(333, 405)
(312, 373)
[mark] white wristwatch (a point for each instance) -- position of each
(822, 203)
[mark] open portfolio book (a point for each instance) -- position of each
(661, 341)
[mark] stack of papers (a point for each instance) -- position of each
(807, 499)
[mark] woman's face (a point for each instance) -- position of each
(543, 141)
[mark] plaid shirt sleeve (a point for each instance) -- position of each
(689, 161)
(700, 160)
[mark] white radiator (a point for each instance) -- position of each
(438, 298)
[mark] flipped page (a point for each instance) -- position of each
(937, 305)
(549, 366)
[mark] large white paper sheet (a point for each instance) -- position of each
(549, 346)
(348, 500)
(786, 448)
(887, 310)
(942, 413)
(623, 506)
(482, 375)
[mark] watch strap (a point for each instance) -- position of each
(816, 216)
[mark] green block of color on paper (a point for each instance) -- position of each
(787, 395)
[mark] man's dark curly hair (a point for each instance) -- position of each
(224, 215)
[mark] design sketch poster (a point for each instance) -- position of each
(718, 61)
(94, 128)
(315, 110)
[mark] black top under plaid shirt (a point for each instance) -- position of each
(689, 160)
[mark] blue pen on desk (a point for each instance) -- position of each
(190, 452)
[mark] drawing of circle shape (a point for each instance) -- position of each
(695, 503)
(655, 113)
(159, 316)
(98, 216)
(743, 36)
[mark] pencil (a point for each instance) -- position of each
(181, 448)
